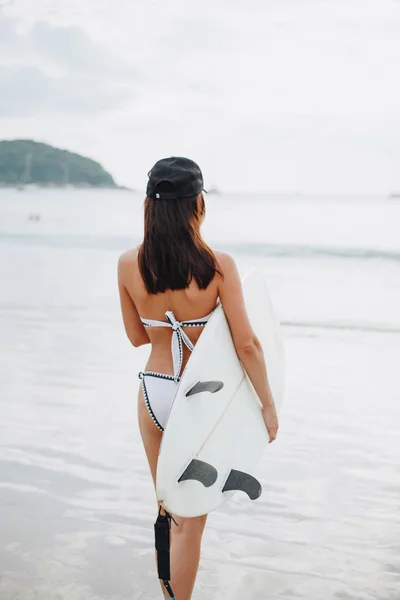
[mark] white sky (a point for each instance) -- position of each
(266, 95)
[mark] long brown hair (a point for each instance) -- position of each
(173, 251)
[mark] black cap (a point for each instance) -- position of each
(180, 178)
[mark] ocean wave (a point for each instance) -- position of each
(115, 242)
(50, 312)
(309, 251)
(352, 326)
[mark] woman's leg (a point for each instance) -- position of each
(185, 554)
(186, 537)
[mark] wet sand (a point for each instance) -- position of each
(78, 505)
(76, 500)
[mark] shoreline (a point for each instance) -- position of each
(55, 186)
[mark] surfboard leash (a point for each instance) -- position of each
(162, 531)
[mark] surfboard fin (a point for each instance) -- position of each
(201, 471)
(237, 480)
(205, 386)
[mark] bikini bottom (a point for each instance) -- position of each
(159, 392)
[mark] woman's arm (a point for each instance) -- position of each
(246, 343)
(134, 327)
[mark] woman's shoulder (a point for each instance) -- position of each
(129, 256)
(128, 262)
(225, 262)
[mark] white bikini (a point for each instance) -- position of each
(159, 389)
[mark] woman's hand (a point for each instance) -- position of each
(271, 421)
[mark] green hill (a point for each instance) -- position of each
(27, 162)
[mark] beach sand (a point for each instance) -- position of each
(77, 505)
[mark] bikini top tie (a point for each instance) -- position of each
(179, 337)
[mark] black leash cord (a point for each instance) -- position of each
(169, 589)
(162, 529)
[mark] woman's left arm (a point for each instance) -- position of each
(134, 327)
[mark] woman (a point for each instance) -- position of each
(169, 287)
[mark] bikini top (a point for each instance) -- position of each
(179, 337)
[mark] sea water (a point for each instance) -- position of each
(76, 500)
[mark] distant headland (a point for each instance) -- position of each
(26, 162)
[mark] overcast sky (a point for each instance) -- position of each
(266, 95)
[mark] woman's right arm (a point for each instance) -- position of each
(134, 328)
(247, 345)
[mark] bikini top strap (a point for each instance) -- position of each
(191, 323)
(154, 323)
(202, 322)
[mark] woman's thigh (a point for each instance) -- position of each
(151, 436)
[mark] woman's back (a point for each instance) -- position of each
(188, 304)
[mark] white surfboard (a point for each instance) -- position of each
(215, 431)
